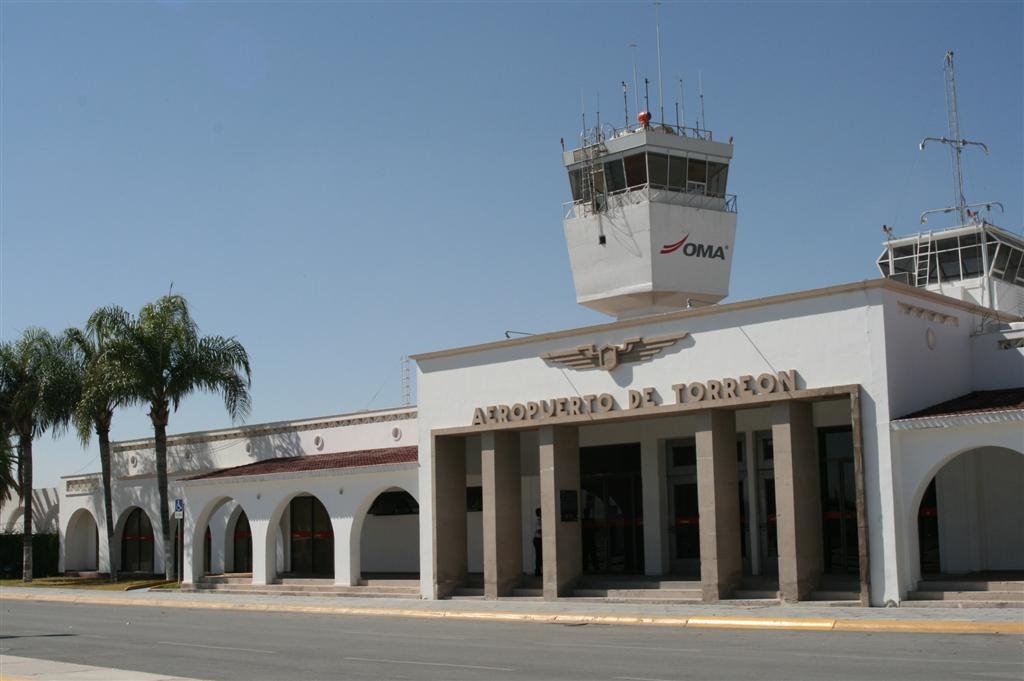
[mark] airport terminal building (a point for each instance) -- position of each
(848, 443)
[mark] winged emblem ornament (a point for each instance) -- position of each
(607, 357)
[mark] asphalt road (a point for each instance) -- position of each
(224, 644)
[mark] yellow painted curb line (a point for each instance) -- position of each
(792, 624)
(932, 626)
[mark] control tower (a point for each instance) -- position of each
(650, 228)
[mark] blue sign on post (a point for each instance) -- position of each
(179, 508)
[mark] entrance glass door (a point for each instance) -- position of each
(613, 516)
(838, 500)
(684, 511)
(768, 546)
(312, 539)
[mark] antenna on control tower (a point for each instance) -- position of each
(636, 90)
(661, 89)
(956, 143)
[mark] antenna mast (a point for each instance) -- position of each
(636, 90)
(661, 89)
(682, 105)
(406, 382)
(955, 141)
(700, 88)
(625, 101)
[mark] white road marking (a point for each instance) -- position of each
(638, 678)
(662, 649)
(431, 664)
(196, 645)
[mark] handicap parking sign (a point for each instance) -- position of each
(179, 508)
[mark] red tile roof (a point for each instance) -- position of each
(318, 462)
(977, 402)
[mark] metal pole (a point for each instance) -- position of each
(636, 89)
(661, 89)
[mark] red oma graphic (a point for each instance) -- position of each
(694, 250)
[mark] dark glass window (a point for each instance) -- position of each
(576, 184)
(698, 171)
(636, 169)
(968, 239)
(398, 502)
(949, 263)
(1013, 265)
(684, 454)
(312, 537)
(677, 172)
(137, 543)
(717, 173)
(474, 499)
(657, 170)
(971, 261)
(242, 538)
(615, 175)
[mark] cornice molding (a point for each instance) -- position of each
(955, 420)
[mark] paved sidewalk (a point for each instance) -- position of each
(771, 616)
(14, 668)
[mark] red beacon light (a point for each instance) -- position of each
(645, 118)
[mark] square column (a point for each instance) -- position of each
(561, 541)
(721, 561)
(503, 522)
(655, 505)
(797, 500)
(448, 497)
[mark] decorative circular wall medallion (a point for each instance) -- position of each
(133, 461)
(318, 442)
(248, 448)
(396, 433)
(930, 338)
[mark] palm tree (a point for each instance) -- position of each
(8, 464)
(159, 360)
(100, 392)
(35, 385)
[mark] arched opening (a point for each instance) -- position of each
(305, 539)
(969, 516)
(389, 545)
(240, 536)
(81, 543)
(137, 543)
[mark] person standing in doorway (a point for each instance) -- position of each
(538, 559)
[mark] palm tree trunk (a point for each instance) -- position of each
(103, 434)
(160, 432)
(25, 462)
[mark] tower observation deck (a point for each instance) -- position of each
(650, 227)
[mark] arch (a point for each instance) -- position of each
(81, 542)
(968, 501)
(390, 543)
(137, 541)
(300, 538)
(201, 536)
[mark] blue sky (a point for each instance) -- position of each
(338, 185)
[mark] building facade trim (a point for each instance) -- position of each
(955, 420)
(722, 308)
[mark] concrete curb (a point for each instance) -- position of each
(771, 623)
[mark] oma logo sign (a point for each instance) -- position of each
(694, 250)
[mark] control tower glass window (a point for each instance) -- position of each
(576, 184)
(615, 175)
(697, 175)
(717, 173)
(677, 173)
(971, 259)
(636, 169)
(657, 170)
